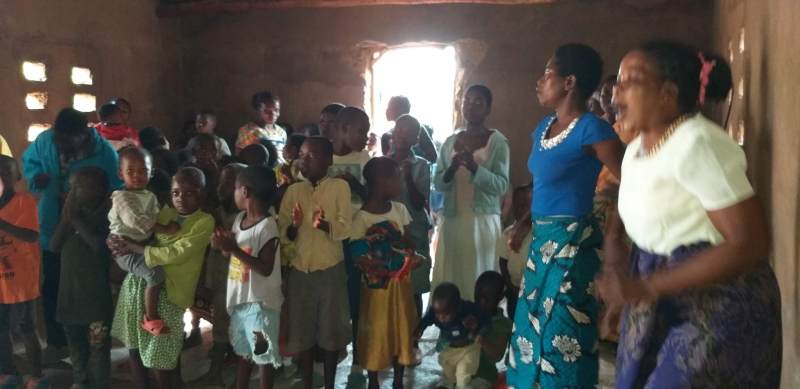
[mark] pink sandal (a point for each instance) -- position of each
(156, 327)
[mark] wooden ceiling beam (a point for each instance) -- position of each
(210, 7)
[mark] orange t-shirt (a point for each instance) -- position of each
(19, 261)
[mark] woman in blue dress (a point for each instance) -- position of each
(555, 325)
(703, 306)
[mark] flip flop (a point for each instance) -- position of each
(156, 327)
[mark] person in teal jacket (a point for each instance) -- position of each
(47, 164)
(472, 173)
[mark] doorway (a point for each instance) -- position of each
(424, 74)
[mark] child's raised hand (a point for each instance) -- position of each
(319, 218)
(416, 260)
(286, 175)
(225, 241)
(297, 215)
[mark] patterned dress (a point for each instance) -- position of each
(554, 344)
(157, 352)
(252, 133)
(726, 336)
(555, 325)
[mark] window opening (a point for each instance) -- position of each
(84, 102)
(36, 100)
(34, 71)
(81, 76)
(35, 129)
(424, 74)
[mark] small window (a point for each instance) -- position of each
(741, 41)
(36, 100)
(741, 88)
(84, 102)
(35, 129)
(740, 136)
(34, 71)
(81, 76)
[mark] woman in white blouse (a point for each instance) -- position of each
(702, 305)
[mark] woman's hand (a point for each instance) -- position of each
(517, 234)
(616, 289)
(468, 161)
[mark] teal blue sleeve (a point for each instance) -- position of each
(32, 164)
(442, 164)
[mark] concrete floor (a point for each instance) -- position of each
(195, 363)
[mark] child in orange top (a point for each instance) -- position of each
(19, 275)
(111, 127)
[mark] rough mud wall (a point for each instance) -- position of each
(130, 51)
(770, 115)
(300, 54)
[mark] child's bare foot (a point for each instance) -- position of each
(262, 345)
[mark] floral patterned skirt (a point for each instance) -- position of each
(726, 336)
(555, 325)
(157, 352)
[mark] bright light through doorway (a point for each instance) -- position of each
(426, 75)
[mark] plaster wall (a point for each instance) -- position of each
(130, 52)
(302, 54)
(768, 111)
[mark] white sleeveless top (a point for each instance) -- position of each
(245, 285)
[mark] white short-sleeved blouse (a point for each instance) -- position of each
(663, 200)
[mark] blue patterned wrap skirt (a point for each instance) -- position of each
(554, 344)
(724, 336)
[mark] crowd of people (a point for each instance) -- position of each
(639, 223)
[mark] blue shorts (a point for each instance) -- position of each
(249, 318)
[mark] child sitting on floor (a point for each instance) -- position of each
(512, 265)
(315, 214)
(382, 247)
(19, 277)
(133, 215)
(80, 237)
(488, 295)
(111, 128)
(254, 280)
(461, 351)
